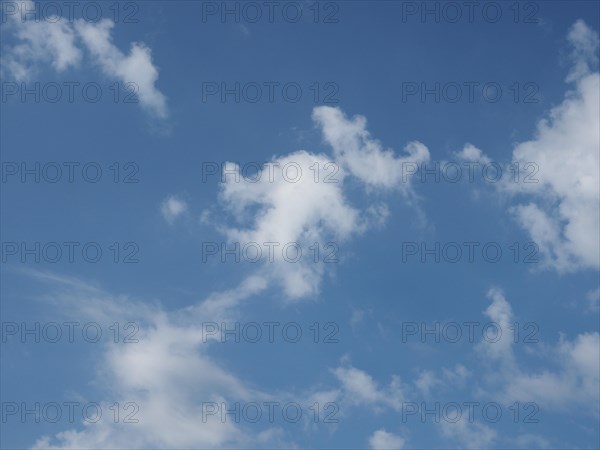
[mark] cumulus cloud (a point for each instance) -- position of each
(60, 43)
(170, 369)
(136, 67)
(584, 54)
(565, 219)
(363, 156)
(173, 207)
(560, 204)
(43, 41)
(303, 212)
(473, 154)
(382, 440)
(290, 202)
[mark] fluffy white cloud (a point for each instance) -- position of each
(365, 157)
(173, 207)
(136, 67)
(585, 50)
(473, 154)
(42, 41)
(562, 198)
(284, 212)
(289, 202)
(57, 42)
(382, 440)
(562, 212)
(169, 369)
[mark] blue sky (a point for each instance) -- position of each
(214, 135)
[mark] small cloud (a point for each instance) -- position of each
(426, 382)
(471, 153)
(245, 30)
(173, 207)
(381, 439)
(357, 317)
(593, 298)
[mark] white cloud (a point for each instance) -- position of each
(559, 168)
(57, 43)
(284, 212)
(451, 379)
(382, 440)
(306, 210)
(469, 434)
(456, 376)
(359, 388)
(593, 298)
(532, 441)
(221, 306)
(173, 207)
(365, 157)
(168, 374)
(39, 42)
(498, 348)
(170, 370)
(563, 212)
(136, 67)
(585, 50)
(575, 383)
(426, 381)
(473, 154)
(357, 317)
